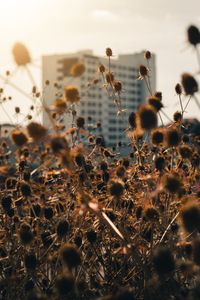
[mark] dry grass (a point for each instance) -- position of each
(86, 223)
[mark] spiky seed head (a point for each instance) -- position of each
(109, 52)
(102, 69)
(21, 54)
(77, 70)
(18, 137)
(143, 71)
(193, 35)
(36, 131)
(147, 117)
(72, 94)
(155, 103)
(147, 55)
(172, 137)
(178, 89)
(189, 84)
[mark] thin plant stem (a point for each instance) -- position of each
(187, 104)
(166, 116)
(168, 227)
(196, 101)
(147, 85)
(181, 104)
(30, 75)
(198, 56)
(16, 87)
(161, 119)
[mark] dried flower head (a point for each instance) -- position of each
(116, 188)
(102, 68)
(99, 140)
(147, 55)
(70, 255)
(64, 284)
(132, 120)
(25, 188)
(6, 202)
(193, 35)
(117, 86)
(139, 211)
(185, 151)
(109, 52)
(77, 70)
(190, 216)
(120, 171)
(158, 95)
(60, 105)
(172, 137)
(79, 159)
(62, 228)
(177, 116)
(109, 77)
(30, 261)
(25, 233)
(178, 89)
(172, 182)
(150, 213)
(143, 71)
(36, 131)
(155, 103)
(103, 166)
(72, 94)
(17, 110)
(91, 236)
(48, 213)
(163, 261)
(189, 84)
(11, 183)
(58, 144)
(18, 137)
(125, 162)
(80, 122)
(21, 54)
(157, 137)
(147, 117)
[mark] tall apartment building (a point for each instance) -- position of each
(95, 100)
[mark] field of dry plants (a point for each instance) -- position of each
(89, 224)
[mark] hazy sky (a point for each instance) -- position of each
(59, 26)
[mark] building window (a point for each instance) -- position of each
(112, 137)
(112, 121)
(112, 129)
(91, 112)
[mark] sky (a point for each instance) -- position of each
(128, 26)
